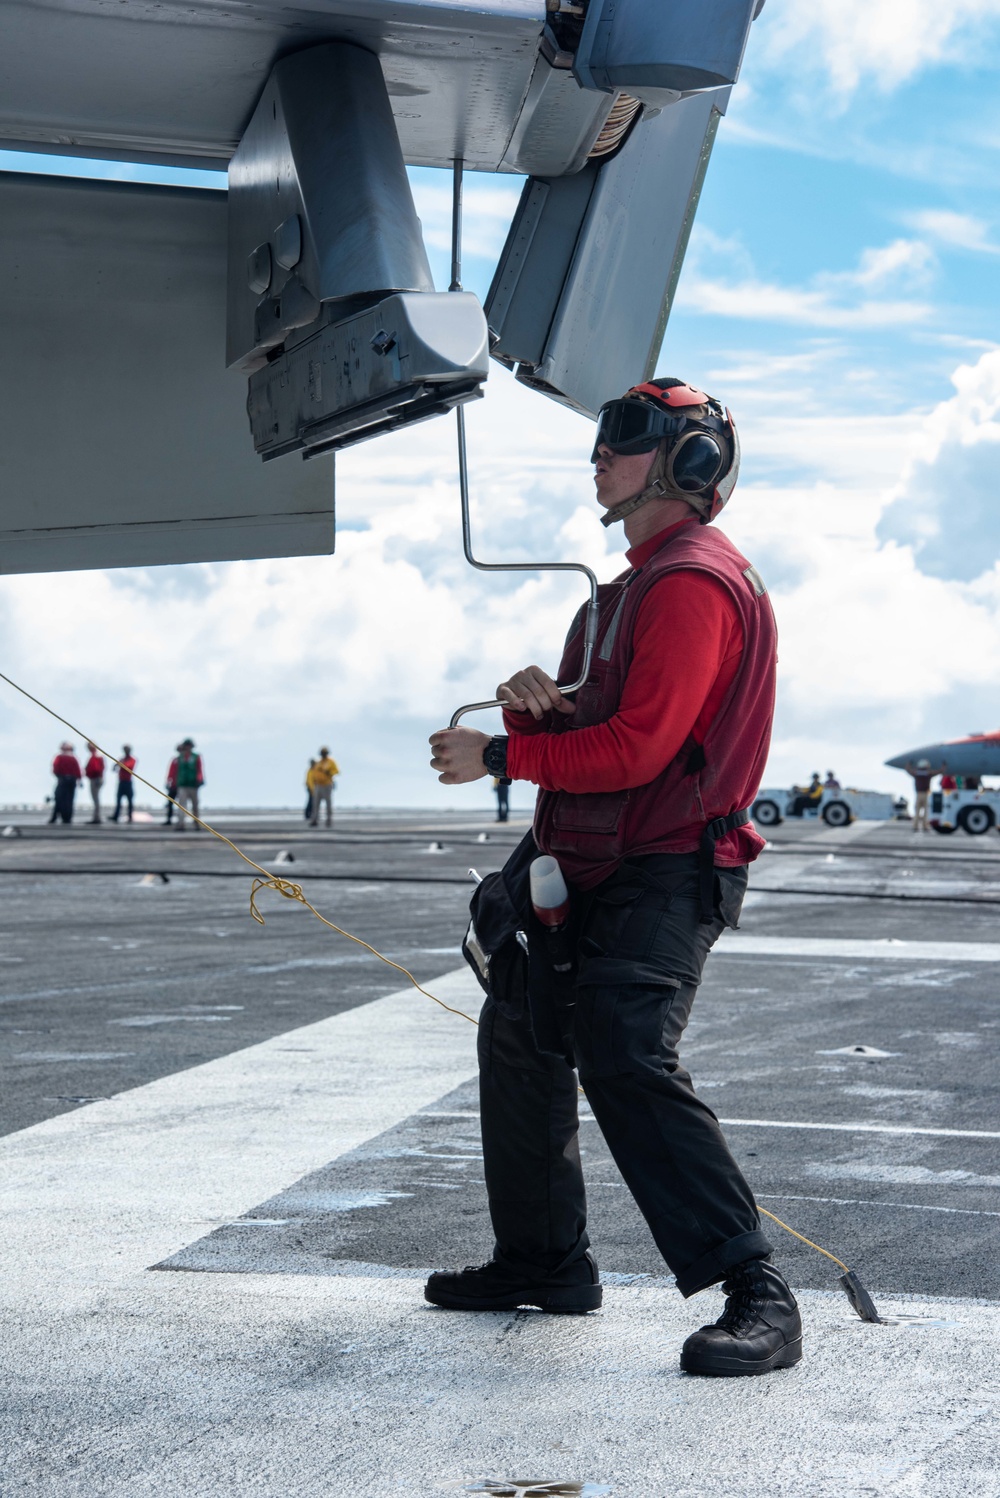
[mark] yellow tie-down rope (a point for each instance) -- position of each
(856, 1292)
(286, 887)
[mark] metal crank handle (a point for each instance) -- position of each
(470, 707)
(589, 640)
(590, 626)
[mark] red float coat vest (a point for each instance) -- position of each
(591, 833)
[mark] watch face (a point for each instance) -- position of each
(495, 756)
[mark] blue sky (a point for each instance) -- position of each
(840, 294)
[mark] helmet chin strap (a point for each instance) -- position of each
(656, 490)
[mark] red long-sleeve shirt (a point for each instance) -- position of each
(687, 646)
(66, 765)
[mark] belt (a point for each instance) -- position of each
(706, 858)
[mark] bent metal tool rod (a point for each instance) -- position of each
(590, 621)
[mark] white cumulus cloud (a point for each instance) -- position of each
(871, 42)
(851, 299)
(962, 230)
(944, 506)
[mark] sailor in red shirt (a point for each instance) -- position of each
(66, 769)
(94, 771)
(645, 779)
(125, 790)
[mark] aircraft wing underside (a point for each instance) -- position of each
(178, 80)
(144, 326)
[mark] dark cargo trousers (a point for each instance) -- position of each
(640, 953)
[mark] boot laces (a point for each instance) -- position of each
(744, 1300)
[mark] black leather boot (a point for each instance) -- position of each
(759, 1329)
(569, 1291)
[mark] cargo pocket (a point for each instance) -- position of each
(592, 811)
(508, 980)
(621, 1012)
(588, 827)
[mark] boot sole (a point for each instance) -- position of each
(785, 1357)
(576, 1301)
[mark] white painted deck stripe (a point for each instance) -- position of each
(850, 1201)
(119, 1184)
(856, 1128)
(739, 944)
(771, 1123)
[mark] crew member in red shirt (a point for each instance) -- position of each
(646, 776)
(125, 790)
(94, 771)
(66, 769)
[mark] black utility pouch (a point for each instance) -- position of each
(510, 953)
(499, 909)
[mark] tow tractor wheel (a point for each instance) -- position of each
(837, 814)
(975, 819)
(766, 813)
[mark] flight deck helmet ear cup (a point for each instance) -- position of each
(703, 459)
(725, 485)
(695, 461)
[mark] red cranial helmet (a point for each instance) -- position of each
(699, 457)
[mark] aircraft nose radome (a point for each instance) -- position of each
(932, 752)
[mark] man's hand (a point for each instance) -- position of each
(458, 754)
(533, 691)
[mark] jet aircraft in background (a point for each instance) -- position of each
(976, 754)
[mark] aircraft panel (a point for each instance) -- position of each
(581, 296)
(125, 438)
(180, 78)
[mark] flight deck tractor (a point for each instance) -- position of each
(837, 808)
(975, 812)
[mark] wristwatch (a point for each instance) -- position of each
(495, 756)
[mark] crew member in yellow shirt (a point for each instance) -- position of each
(322, 775)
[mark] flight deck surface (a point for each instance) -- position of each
(232, 1152)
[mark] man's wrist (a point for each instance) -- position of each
(495, 757)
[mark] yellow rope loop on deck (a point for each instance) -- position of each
(285, 887)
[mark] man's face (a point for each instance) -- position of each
(619, 476)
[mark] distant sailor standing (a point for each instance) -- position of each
(922, 777)
(309, 791)
(645, 783)
(501, 786)
(126, 789)
(94, 771)
(323, 775)
(66, 769)
(190, 779)
(171, 789)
